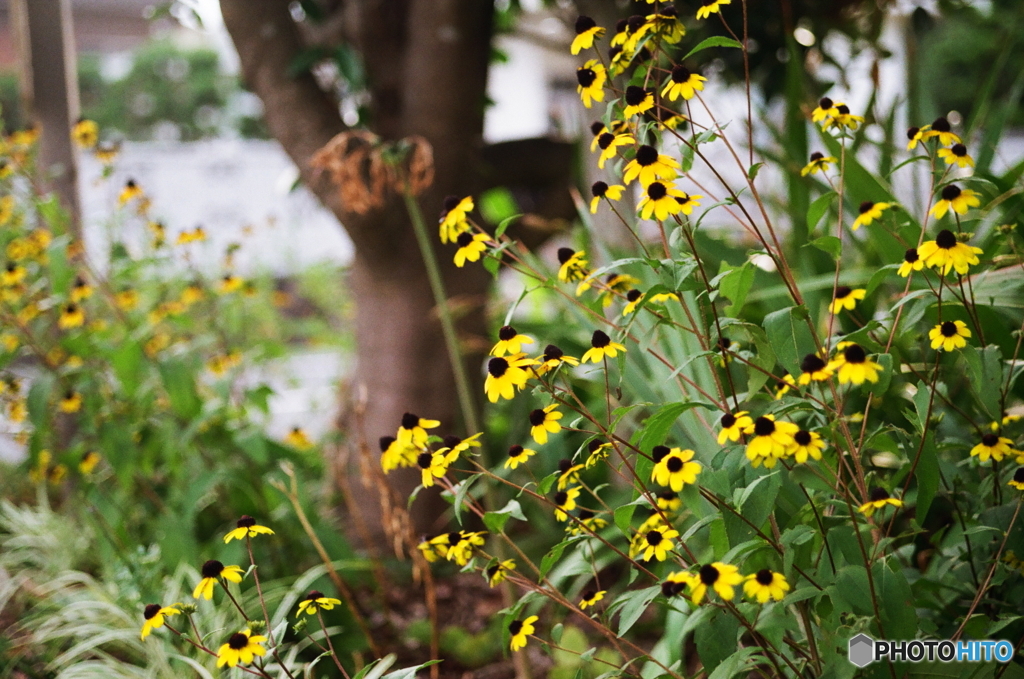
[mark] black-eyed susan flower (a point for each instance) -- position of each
(588, 523)
(434, 548)
(638, 100)
(735, 425)
(587, 31)
(844, 119)
(230, 283)
(71, 402)
(993, 446)
(89, 462)
(565, 502)
(212, 570)
(598, 450)
(660, 201)
(633, 299)
(814, 369)
(241, 648)
(246, 527)
(601, 190)
(766, 584)
(956, 199)
(915, 135)
(130, 191)
(941, 129)
(85, 133)
(869, 212)
(510, 341)
(613, 282)
(573, 265)
(676, 469)
(155, 616)
(454, 446)
(460, 550)
(520, 630)
(949, 335)
(819, 162)
(878, 499)
(498, 572)
(709, 7)
(721, 577)
(649, 166)
(853, 365)
(471, 247)
(413, 430)
(683, 83)
(1018, 479)
(590, 79)
(568, 473)
(297, 438)
(432, 465)
(826, 109)
(771, 441)
(807, 444)
(911, 262)
(453, 217)
(552, 358)
(196, 235)
(13, 274)
(589, 598)
(657, 543)
(675, 583)
(544, 421)
(71, 316)
(316, 601)
(126, 300)
(946, 252)
(664, 24)
(956, 154)
(26, 136)
(846, 298)
(601, 347)
(107, 152)
(609, 144)
(668, 501)
(505, 375)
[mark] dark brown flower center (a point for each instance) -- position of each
(605, 140)
(552, 353)
(865, 206)
(515, 627)
(409, 421)
(565, 254)
(589, 594)
(912, 132)
(238, 641)
(450, 203)
(599, 189)
(212, 568)
(674, 464)
(385, 442)
(854, 354)
(594, 445)
(812, 363)
(245, 522)
(561, 497)
(990, 440)
(951, 192)
(656, 191)
(727, 420)
(764, 426)
(151, 610)
(635, 95)
(564, 465)
(843, 291)
(680, 74)
(843, 109)
(497, 367)
(464, 239)
(634, 295)
(654, 538)
(1018, 475)
(646, 155)
(948, 329)
(658, 453)
(599, 340)
(825, 104)
(879, 494)
(537, 417)
(802, 437)
(314, 595)
(584, 24)
(506, 332)
(670, 589)
(941, 124)
(708, 574)
(764, 577)
(910, 255)
(423, 460)
(585, 77)
(596, 127)
(451, 441)
(816, 156)
(945, 239)
(515, 451)
(959, 150)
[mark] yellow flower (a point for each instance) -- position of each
(602, 190)
(601, 347)
(819, 163)
(241, 647)
(589, 598)
(85, 133)
(127, 300)
(735, 425)
(807, 444)
(649, 166)
(471, 247)
(591, 78)
(432, 465)
(598, 451)
(946, 252)
(461, 546)
(107, 152)
(130, 191)
(230, 283)
(6, 209)
(915, 135)
(683, 83)
(71, 316)
(573, 265)
(674, 468)
(520, 629)
(510, 341)
(771, 441)
(940, 128)
(71, 403)
(543, 422)
(633, 299)
(950, 335)
(709, 7)
(957, 153)
(518, 455)
(911, 262)
(89, 462)
(565, 501)
(26, 136)
(552, 358)
(675, 583)
(668, 501)
(854, 365)
(454, 446)
(316, 601)
(660, 201)
(879, 498)
(453, 217)
(846, 298)
(212, 570)
(505, 375)
(413, 430)
(436, 547)
(609, 144)
(498, 573)
(956, 199)
(657, 543)
(868, 213)
(814, 369)
(1018, 479)
(993, 446)
(638, 100)
(765, 585)
(843, 119)
(13, 274)
(587, 31)
(246, 528)
(721, 577)
(154, 615)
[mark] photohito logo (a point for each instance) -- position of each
(864, 650)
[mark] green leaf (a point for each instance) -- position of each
(655, 430)
(830, 245)
(624, 517)
(789, 336)
(716, 639)
(896, 601)
(552, 557)
(884, 375)
(818, 208)
(737, 663)
(633, 605)
(410, 672)
(985, 375)
(181, 389)
(497, 205)
(713, 41)
(755, 503)
(460, 496)
(736, 285)
(754, 169)
(496, 520)
(852, 585)
(505, 223)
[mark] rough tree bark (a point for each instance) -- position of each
(426, 63)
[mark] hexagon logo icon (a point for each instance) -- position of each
(862, 650)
